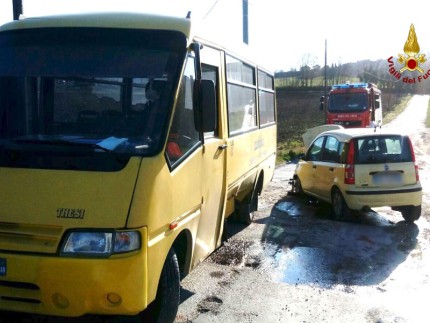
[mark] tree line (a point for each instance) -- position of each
(387, 78)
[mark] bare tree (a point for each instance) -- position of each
(308, 60)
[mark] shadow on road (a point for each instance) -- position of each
(308, 247)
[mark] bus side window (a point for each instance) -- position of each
(241, 96)
(211, 73)
(183, 137)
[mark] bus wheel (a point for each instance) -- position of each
(165, 306)
(247, 208)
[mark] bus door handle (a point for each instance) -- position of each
(222, 147)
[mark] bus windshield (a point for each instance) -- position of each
(348, 102)
(89, 90)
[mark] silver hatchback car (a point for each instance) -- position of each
(355, 169)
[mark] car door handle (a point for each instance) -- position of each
(331, 169)
(314, 166)
(222, 147)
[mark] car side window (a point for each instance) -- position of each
(331, 151)
(315, 150)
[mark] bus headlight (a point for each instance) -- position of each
(98, 243)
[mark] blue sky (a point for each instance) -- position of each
(282, 33)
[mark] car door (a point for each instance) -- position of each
(327, 169)
(306, 169)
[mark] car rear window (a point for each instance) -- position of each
(383, 149)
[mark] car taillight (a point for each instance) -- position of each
(411, 148)
(349, 168)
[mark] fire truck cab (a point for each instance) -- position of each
(353, 105)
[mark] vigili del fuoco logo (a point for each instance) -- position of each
(411, 61)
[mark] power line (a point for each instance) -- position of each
(215, 3)
(380, 78)
(210, 9)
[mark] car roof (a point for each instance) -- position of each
(347, 134)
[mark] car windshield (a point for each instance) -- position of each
(383, 149)
(88, 89)
(348, 102)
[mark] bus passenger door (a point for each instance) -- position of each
(213, 168)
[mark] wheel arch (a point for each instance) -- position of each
(183, 249)
(257, 190)
(333, 188)
(258, 186)
(337, 187)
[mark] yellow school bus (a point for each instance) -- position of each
(125, 144)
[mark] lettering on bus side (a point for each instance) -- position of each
(70, 213)
(258, 143)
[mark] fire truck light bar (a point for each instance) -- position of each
(351, 86)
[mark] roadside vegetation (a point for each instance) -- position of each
(396, 109)
(428, 116)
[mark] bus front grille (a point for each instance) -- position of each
(29, 237)
(19, 292)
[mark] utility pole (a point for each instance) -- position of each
(245, 21)
(325, 74)
(17, 9)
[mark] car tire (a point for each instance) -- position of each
(339, 208)
(166, 304)
(410, 213)
(298, 189)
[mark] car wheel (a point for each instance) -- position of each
(410, 213)
(166, 304)
(298, 189)
(339, 208)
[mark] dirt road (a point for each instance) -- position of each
(296, 264)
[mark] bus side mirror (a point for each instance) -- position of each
(322, 103)
(205, 109)
(377, 105)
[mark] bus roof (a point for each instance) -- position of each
(105, 20)
(127, 20)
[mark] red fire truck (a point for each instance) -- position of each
(354, 105)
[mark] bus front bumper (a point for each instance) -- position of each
(71, 286)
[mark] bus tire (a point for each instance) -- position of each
(165, 306)
(247, 208)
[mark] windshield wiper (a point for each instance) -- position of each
(61, 142)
